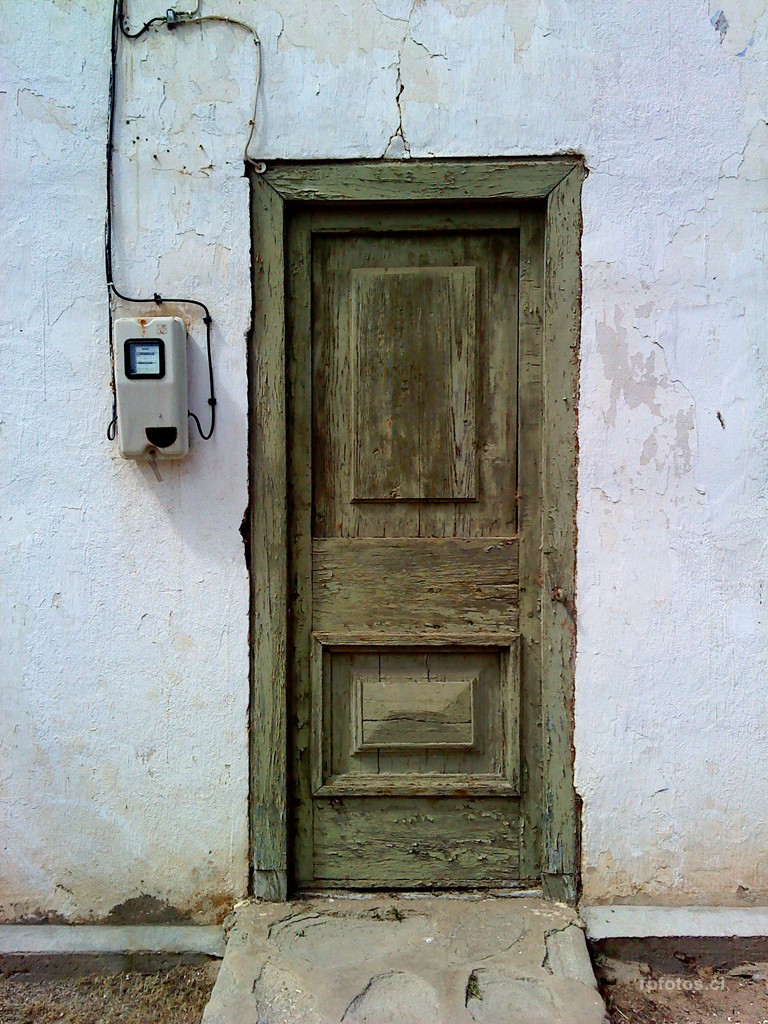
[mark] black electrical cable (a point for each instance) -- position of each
(207, 320)
(116, 16)
(118, 26)
(144, 28)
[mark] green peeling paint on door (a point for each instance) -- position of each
(423, 470)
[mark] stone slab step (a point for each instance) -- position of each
(399, 959)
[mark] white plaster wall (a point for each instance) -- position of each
(124, 689)
(125, 664)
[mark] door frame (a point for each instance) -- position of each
(558, 182)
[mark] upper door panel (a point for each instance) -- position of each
(414, 384)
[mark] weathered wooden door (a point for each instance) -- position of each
(412, 403)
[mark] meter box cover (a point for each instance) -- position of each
(151, 383)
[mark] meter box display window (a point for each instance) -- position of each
(151, 385)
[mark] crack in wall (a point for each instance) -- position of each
(394, 17)
(401, 148)
(426, 49)
(397, 144)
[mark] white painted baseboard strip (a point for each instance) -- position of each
(633, 922)
(62, 939)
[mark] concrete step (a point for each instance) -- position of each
(398, 959)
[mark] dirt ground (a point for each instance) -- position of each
(177, 996)
(637, 995)
(634, 994)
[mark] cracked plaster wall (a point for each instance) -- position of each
(124, 689)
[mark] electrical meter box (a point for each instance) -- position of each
(151, 386)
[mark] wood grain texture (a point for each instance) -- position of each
(446, 784)
(414, 217)
(548, 374)
(268, 732)
(400, 585)
(404, 181)
(306, 661)
(418, 636)
(562, 309)
(446, 598)
(417, 842)
(343, 710)
(402, 713)
(530, 414)
(494, 256)
(414, 344)
(491, 761)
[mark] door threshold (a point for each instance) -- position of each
(427, 960)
